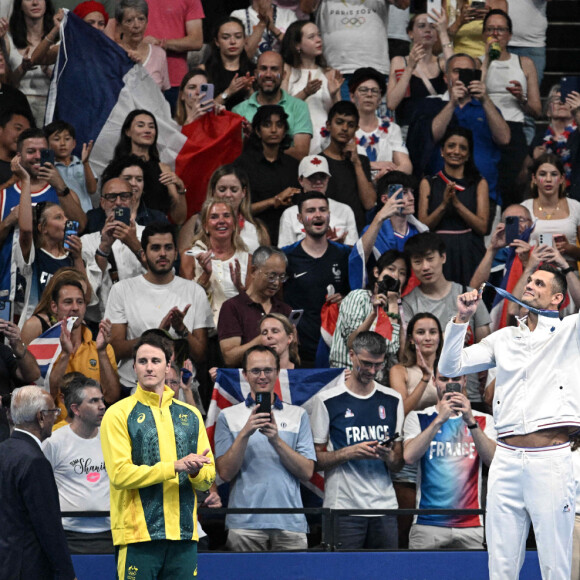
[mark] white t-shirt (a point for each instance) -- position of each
(354, 34)
(530, 22)
(142, 305)
(81, 478)
(382, 142)
(341, 218)
(398, 20)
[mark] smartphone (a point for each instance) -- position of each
(208, 89)
(123, 214)
(433, 5)
(386, 442)
(453, 388)
(477, 4)
(47, 156)
(5, 310)
(569, 84)
(547, 239)
(512, 229)
(295, 316)
(71, 228)
(466, 75)
(393, 188)
(264, 402)
(388, 284)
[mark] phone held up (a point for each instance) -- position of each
(264, 402)
(71, 228)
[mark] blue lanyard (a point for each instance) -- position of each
(540, 312)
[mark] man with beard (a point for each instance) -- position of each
(356, 428)
(536, 406)
(157, 299)
(317, 272)
(269, 75)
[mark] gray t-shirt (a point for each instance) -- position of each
(444, 309)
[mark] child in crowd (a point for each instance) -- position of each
(76, 173)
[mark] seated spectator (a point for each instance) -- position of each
(239, 320)
(380, 139)
(437, 295)
(448, 479)
(229, 67)
(218, 259)
(230, 183)
(272, 172)
(392, 225)
(280, 335)
(132, 17)
(132, 170)
(93, 13)
(552, 211)
(12, 123)
(314, 176)
(282, 440)
(164, 301)
(512, 84)
(317, 273)
(308, 77)
(351, 174)
(455, 204)
(11, 98)
(422, 73)
(265, 26)
(164, 190)
(375, 308)
(17, 368)
(76, 173)
(77, 460)
(114, 253)
(269, 77)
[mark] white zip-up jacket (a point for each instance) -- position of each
(538, 373)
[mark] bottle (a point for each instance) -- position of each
(494, 50)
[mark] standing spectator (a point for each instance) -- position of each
(11, 98)
(12, 123)
(33, 541)
(351, 173)
(190, 107)
(399, 42)
(239, 321)
(175, 27)
(308, 77)
(75, 453)
(280, 335)
(317, 271)
(265, 456)
(157, 455)
(449, 479)
(347, 433)
(165, 301)
(269, 77)
(92, 12)
(455, 204)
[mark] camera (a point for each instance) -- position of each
(388, 284)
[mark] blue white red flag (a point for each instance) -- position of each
(294, 386)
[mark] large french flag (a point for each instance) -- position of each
(294, 386)
(95, 85)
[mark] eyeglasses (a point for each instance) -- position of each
(367, 90)
(273, 277)
(56, 411)
(494, 29)
(124, 195)
(268, 372)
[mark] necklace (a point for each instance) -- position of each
(547, 215)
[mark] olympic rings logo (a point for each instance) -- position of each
(353, 22)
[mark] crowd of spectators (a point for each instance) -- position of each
(377, 189)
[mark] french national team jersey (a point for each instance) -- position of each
(341, 418)
(450, 471)
(9, 198)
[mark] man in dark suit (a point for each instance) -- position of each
(32, 541)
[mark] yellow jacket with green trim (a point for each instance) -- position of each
(141, 441)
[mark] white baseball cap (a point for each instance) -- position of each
(312, 164)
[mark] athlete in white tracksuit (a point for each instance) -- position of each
(536, 405)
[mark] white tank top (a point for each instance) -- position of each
(499, 75)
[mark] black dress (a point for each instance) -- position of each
(465, 248)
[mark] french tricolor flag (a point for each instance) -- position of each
(95, 85)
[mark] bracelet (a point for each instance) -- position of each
(394, 315)
(100, 252)
(424, 380)
(23, 355)
(567, 270)
(182, 191)
(448, 45)
(474, 426)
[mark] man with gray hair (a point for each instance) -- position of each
(33, 543)
(356, 427)
(75, 453)
(239, 320)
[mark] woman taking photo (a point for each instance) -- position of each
(132, 17)
(229, 68)
(218, 259)
(191, 104)
(279, 333)
(308, 77)
(229, 183)
(455, 204)
(164, 190)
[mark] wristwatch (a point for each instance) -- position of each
(567, 270)
(224, 96)
(64, 192)
(474, 426)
